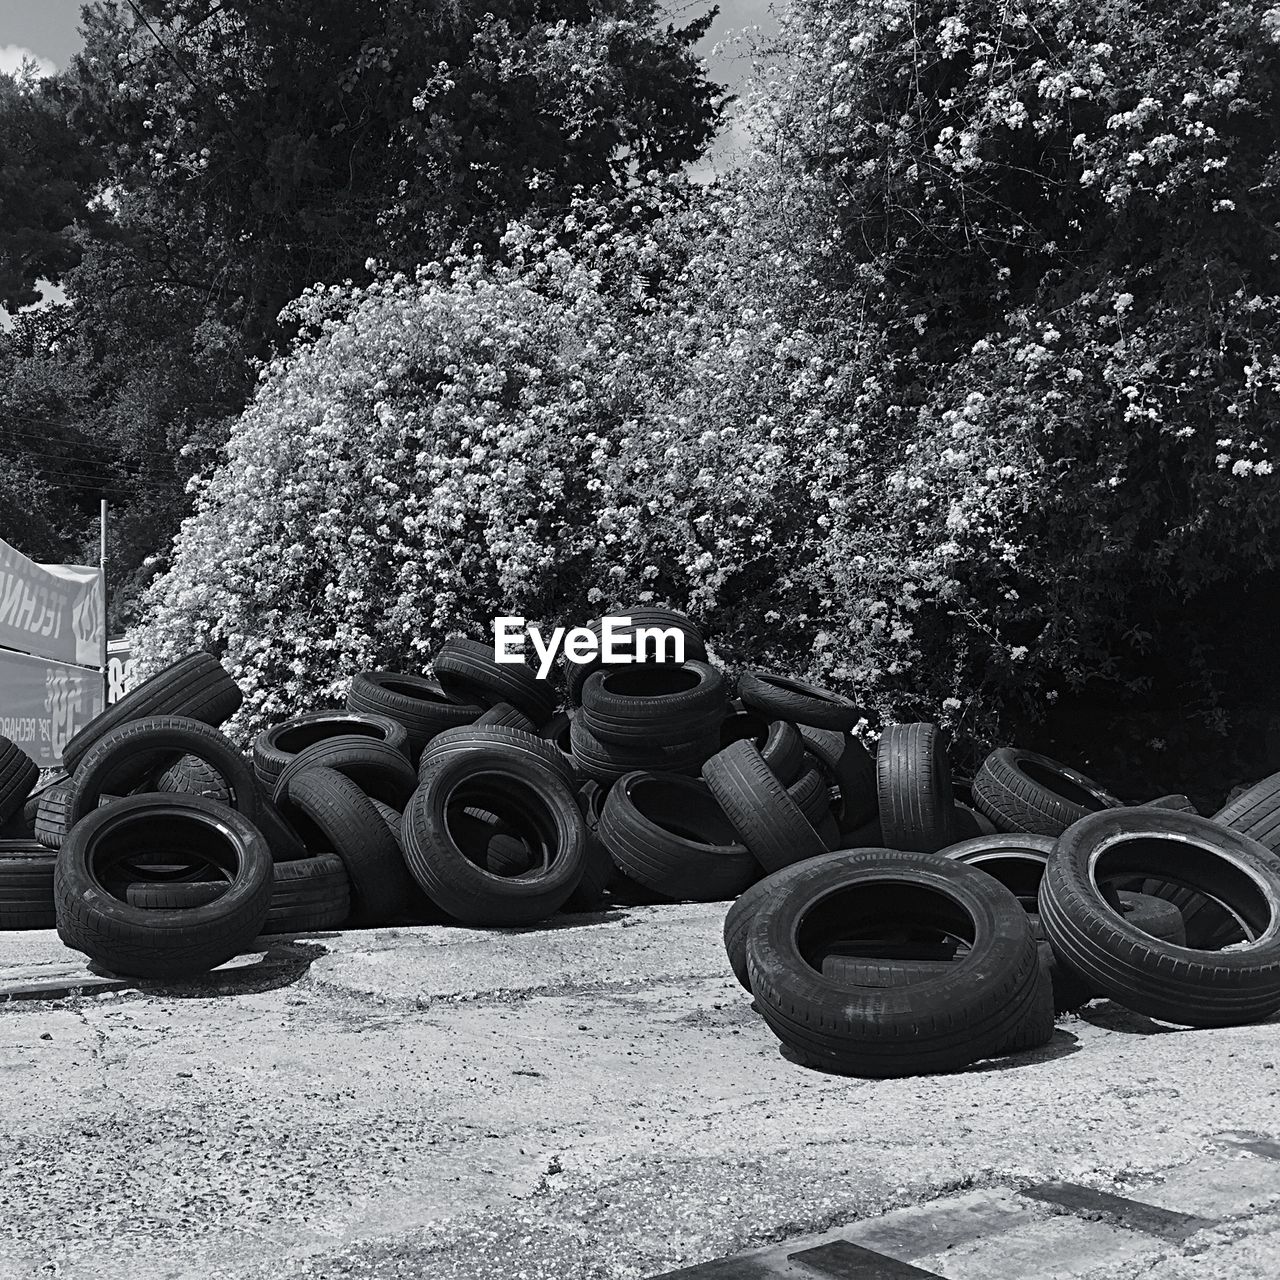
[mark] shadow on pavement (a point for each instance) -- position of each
(1062, 1044)
(284, 962)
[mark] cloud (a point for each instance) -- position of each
(12, 56)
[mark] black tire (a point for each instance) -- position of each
(913, 787)
(737, 921)
(526, 794)
(51, 815)
(475, 737)
(654, 703)
(307, 895)
(161, 944)
(576, 674)
(781, 698)
(382, 772)
(26, 885)
(1177, 984)
(851, 769)
(419, 704)
(191, 776)
(1256, 813)
(275, 747)
(1035, 1030)
(557, 731)
(115, 758)
(392, 817)
(765, 817)
(1181, 803)
(811, 796)
(606, 762)
(1024, 791)
(502, 715)
(347, 824)
(968, 823)
(669, 833)
(285, 843)
(977, 1010)
(469, 672)
(778, 741)
(1016, 860)
(19, 773)
(195, 687)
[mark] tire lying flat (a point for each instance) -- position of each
(161, 944)
(990, 1001)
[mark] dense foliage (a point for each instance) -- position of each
(959, 394)
(194, 170)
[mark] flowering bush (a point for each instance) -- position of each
(959, 394)
(555, 435)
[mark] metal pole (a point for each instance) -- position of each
(102, 562)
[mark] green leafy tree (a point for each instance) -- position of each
(248, 150)
(45, 173)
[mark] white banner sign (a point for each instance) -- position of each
(54, 610)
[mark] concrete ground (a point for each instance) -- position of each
(594, 1100)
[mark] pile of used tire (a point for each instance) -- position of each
(903, 923)
(919, 952)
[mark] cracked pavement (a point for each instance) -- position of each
(592, 1100)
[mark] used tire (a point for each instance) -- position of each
(778, 741)
(653, 703)
(26, 885)
(1256, 813)
(161, 944)
(502, 715)
(307, 895)
(669, 833)
(275, 747)
(765, 817)
(811, 796)
(469, 672)
(943, 1023)
(781, 698)
(196, 687)
(1177, 984)
(382, 772)
(851, 769)
(607, 761)
(1024, 791)
(913, 788)
(695, 650)
(347, 823)
(115, 759)
(419, 704)
(737, 921)
(19, 773)
(191, 776)
(476, 737)
(523, 792)
(51, 815)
